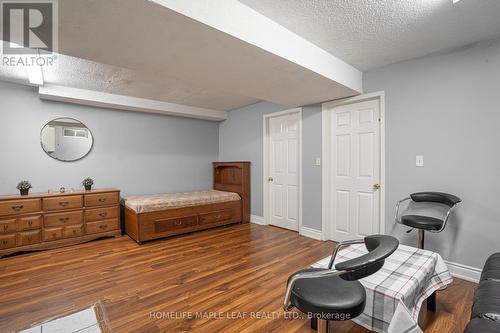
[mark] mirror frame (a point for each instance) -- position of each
(69, 161)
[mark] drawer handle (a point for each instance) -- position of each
(5, 227)
(64, 219)
(63, 203)
(17, 207)
(74, 231)
(218, 216)
(103, 226)
(103, 214)
(179, 222)
(30, 223)
(5, 242)
(29, 239)
(102, 199)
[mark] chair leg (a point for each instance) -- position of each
(420, 238)
(322, 326)
(314, 324)
(431, 302)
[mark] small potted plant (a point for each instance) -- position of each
(87, 183)
(24, 187)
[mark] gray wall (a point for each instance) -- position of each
(446, 108)
(137, 152)
(240, 138)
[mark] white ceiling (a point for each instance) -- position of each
(191, 53)
(369, 33)
(240, 52)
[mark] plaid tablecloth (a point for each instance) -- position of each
(395, 293)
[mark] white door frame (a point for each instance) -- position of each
(265, 156)
(325, 170)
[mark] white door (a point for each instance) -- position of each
(284, 164)
(355, 170)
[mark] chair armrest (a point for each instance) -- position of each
(305, 275)
(445, 219)
(396, 216)
(341, 244)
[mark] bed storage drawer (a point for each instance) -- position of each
(153, 225)
(63, 202)
(14, 207)
(176, 223)
(221, 216)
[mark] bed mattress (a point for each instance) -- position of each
(156, 202)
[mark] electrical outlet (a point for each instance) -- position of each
(419, 161)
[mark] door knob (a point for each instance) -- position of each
(270, 179)
(376, 187)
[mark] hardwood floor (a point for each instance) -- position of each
(224, 271)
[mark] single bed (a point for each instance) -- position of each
(150, 217)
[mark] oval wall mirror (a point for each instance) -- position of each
(66, 139)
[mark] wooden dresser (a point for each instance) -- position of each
(44, 221)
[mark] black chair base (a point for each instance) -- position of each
(319, 325)
(421, 239)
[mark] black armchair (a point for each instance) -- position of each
(335, 294)
(427, 223)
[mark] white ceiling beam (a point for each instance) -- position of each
(120, 102)
(236, 19)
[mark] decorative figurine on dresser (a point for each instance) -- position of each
(48, 220)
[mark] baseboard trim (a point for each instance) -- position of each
(464, 272)
(311, 233)
(257, 219)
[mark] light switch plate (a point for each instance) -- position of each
(419, 160)
(318, 161)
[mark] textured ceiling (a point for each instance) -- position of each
(143, 49)
(184, 57)
(372, 33)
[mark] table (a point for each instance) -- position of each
(396, 292)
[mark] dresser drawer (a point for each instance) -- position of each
(218, 216)
(175, 224)
(102, 226)
(59, 219)
(29, 222)
(73, 231)
(98, 214)
(63, 202)
(101, 199)
(8, 226)
(52, 234)
(11, 207)
(7, 241)
(29, 237)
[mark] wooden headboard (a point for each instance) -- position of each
(234, 177)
